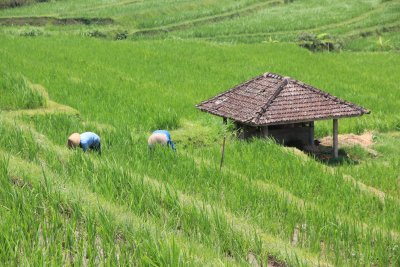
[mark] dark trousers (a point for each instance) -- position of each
(96, 147)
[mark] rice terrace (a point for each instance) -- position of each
(106, 158)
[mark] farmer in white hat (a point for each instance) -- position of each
(160, 137)
(86, 141)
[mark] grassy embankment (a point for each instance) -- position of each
(17, 93)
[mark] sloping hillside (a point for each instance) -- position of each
(352, 25)
(269, 204)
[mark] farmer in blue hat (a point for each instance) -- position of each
(86, 141)
(161, 137)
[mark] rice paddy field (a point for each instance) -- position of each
(125, 68)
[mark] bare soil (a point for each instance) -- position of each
(365, 140)
(272, 262)
(20, 182)
(324, 151)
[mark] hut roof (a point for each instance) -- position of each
(272, 99)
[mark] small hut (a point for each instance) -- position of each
(280, 107)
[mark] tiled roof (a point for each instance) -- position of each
(272, 99)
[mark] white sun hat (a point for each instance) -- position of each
(157, 138)
(74, 139)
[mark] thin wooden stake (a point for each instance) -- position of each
(223, 146)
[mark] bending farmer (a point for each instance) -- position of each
(161, 137)
(86, 141)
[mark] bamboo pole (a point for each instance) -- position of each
(223, 145)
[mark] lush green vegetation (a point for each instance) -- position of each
(95, 81)
(356, 24)
(17, 93)
(218, 216)
(129, 207)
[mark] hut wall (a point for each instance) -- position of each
(246, 131)
(299, 134)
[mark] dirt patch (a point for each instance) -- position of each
(14, 3)
(322, 149)
(41, 21)
(19, 182)
(365, 140)
(252, 260)
(275, 263)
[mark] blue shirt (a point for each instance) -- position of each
(89, 140)
(169, 140)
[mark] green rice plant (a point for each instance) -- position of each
(95, 236)
(166, 120)
(146, 14)
(244, 21)
(130, 207)
(16, 139)
(302, 16)
(158, 76)
(17, 92)
(119, 186)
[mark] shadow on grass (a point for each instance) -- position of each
(324, 154)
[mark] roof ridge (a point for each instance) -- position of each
(273, 75)
(332, 97)
(265, 107)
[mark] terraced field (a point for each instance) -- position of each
(359, 25)
(268, 205)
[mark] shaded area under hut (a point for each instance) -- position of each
(280, 107)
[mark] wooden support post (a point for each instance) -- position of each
(245, 131)
(311, 134)
(264, 131)
(223, 145)
(335, 139)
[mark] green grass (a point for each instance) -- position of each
(372, 170)
(244, 21)
(132, 207)
(179, 209)
(384, 42)
(101, 80)
(140, 14)
(299, 15)
(17, 93)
